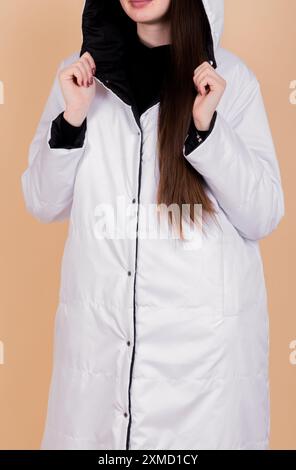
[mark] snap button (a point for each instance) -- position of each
(128, 343)
(129, 273)
(199, 139)
(134, 201)
(125, 415)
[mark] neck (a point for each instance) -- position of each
(152, 35)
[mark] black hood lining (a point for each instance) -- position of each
(107, 35)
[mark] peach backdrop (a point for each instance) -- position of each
(34, 36)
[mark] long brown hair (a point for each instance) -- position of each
(179, 182)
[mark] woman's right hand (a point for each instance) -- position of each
(78, 88)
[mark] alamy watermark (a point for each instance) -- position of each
(121, 221)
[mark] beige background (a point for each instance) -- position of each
(34, 36)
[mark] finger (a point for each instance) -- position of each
(90, 59)
(207, 79)
(199, 87)
(219, 81)
(88, 68)
(75, 71)
(204, 65)
(197, 79)
(200, 76)
(70, 72)
(83, 70)
(86, 72)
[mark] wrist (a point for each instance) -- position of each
(206, 123)
(202, 126)
(74, 117)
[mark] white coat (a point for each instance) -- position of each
(159, 344)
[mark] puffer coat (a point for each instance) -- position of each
(159, 343)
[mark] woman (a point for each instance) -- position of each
(161, 336)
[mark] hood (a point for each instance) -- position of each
(215, 13)
(107, 30)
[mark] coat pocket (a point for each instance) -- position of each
(242, 275)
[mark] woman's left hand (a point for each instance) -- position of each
(206, 102)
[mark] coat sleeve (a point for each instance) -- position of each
(239, 164)
(48, 181)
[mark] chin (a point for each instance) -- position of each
(145, 11)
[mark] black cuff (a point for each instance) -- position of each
(195, 137)
(64, 135)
